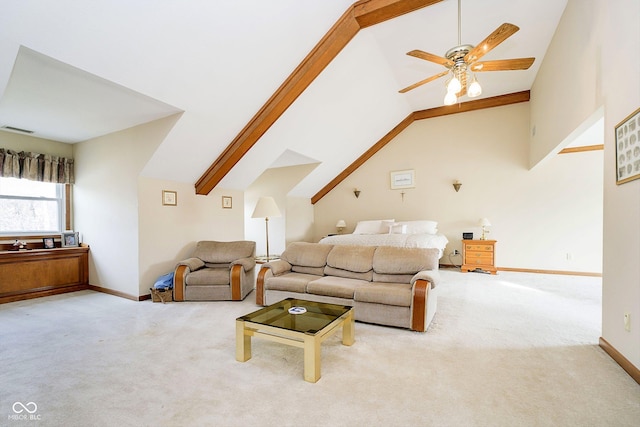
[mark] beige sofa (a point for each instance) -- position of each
(385, 285)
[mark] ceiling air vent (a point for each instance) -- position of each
(17, 129)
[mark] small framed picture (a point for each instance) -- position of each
(47, 243)
(69, 239)
(169, 198)
(403, 179)
(227, 202)
(628, 148)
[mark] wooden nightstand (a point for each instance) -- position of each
(479, 254)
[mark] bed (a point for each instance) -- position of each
(408, 234)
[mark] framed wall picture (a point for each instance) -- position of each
(69, 239)
(169, 198)
(227, 202)
(403, 179)
(48, 243)
(628, 148)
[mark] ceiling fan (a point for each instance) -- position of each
(464, 58)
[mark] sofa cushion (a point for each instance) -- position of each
(306, 254)
(224, 252)
(335, 286)
(208, 276)
(358, 259)
(348, 274)
(218, 265)
(385, 293)
(317, 271)
(354, 262)
(392, 278)
(292, 282)
(394, 260)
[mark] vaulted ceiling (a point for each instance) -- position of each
(71, 71)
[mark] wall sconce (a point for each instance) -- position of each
(456, 185)
(340, 225)
(356, 192)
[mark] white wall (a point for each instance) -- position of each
(600, 39)
(296, 220)
(538, 216)
(133, 237)
(106, 201)
(566, 92)
(621, 287)
(168, 234)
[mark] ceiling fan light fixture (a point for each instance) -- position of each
(474, 88)
(454, 86)
(450, 98)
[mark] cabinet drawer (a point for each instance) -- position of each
(479, 258)
(479, 248)
(479, 255)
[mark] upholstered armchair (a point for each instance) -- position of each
(216, 271)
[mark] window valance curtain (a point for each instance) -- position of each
(36, 167)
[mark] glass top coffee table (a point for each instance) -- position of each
(299, 323)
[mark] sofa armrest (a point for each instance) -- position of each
(192, 263)
(278, 266)
(269, 269)
(247, 263)
(432, 276)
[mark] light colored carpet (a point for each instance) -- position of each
(514, 349)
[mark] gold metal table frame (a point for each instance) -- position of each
(306, 331)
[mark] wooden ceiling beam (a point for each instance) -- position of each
(372, 12)
(360, 15)
(463, 107)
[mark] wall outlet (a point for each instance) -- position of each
(627, 322)
(455, 252)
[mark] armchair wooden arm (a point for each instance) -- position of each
(236, 272)
(178, 283)
(419, 305)
(260, 285)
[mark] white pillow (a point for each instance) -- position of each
(377, 226)
(421, 227)
(398, 228)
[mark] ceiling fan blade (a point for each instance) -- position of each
(431, 57)
(502, 33)
(503, 65)
(425, 81)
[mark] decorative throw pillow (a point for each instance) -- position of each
(398, 228)
(421, 227)
(376, 226)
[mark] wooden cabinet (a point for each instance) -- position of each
(42, 272)
(479, 254)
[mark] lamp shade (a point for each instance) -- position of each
(266, 208)
(341, 224)
(484, 222)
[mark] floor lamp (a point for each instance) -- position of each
(266, 208)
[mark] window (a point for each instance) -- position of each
(31, 207)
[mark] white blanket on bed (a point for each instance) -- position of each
(438, 241)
